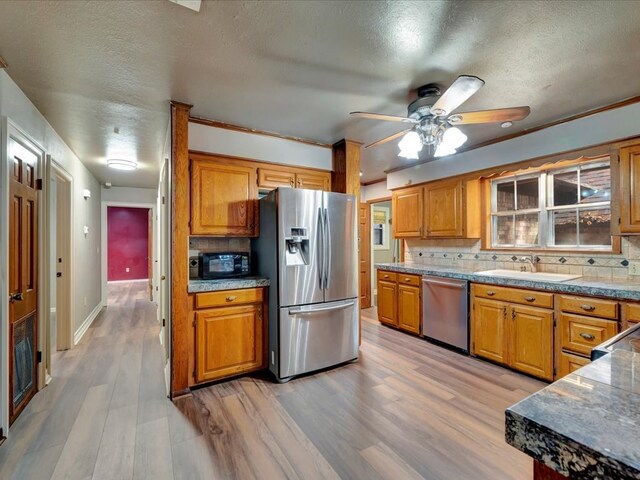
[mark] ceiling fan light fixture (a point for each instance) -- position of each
(410, 145)
(444, 150)
(122, 164)
(453, 138)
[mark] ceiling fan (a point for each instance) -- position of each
(434, 123)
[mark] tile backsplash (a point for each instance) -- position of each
(467, 254)
(213, 244)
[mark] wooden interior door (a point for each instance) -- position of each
(532, 341)
(364, 253)
(23, 275)
(150, 254)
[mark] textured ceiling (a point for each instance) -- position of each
(298, 68)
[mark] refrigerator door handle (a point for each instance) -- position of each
(327, 248)
(302, 311)
(321, 248)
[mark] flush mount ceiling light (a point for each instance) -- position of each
(433, 122)
(121, 164)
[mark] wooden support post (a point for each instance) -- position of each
(345, 177)
(181, 338)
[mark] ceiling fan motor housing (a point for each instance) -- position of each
(427, 95)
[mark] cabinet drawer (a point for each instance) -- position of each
(596, 307)
(581, 334)
(387, 276)
(407, 279)
(569, 363)
(633, 312)
(514, 295)
(229, 297)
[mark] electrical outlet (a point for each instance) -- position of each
(126, 269)
(634, 267)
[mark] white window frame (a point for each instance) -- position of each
(546, 208)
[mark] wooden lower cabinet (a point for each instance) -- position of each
(490, 338)
(387, 302)
(400, 301)
(532, 341)
(517, 336)
(569, 363)
(409, 307)
(230, 338)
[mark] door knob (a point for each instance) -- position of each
(16, 297)
(58, 274)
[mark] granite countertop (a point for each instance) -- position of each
(196, 286)
(586, 424)
(621, 289)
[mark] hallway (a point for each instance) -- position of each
(104, 414)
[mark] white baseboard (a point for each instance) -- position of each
(167, 377)
(129, 281)
(86, 324)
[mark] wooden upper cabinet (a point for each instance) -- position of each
(532, 341)
(629, 190)
(443, 212)
(407, 205)
(490, 339)
(224, 197)
(314, 180)
(269, 179)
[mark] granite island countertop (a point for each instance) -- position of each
(197, 286)
(597, 287)
(587, 424)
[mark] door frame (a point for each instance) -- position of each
(103, 247)
(64, 335)
(8, 129)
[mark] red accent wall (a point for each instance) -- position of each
(127, 243)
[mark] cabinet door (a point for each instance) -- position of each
(443, 216)
(387, 302)
(409, 308)
(532, 341)
(407, 212)
(314, 181)
(269, 179)
(229, 341)
(490, 336)
(569, 363)
(223, 199)
(630, 189)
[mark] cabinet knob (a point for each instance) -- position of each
(386, 276)
(587, 336)
(529, 298)
(513, 314)
(406, 279)
(231, 298)
(491, 293)
(588, 308)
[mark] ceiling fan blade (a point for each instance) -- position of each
(490, 116)
(458, 93)
(388, 139)
(380, 116)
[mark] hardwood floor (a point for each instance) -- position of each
(407, 409)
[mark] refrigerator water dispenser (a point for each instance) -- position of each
(297, 251)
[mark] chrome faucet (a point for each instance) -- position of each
(533, 260)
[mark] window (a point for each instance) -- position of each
(380, 228)
(558, 208)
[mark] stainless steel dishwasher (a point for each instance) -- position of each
(445, 311)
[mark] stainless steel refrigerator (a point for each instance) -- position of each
(308, 249)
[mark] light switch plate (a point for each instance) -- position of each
(634, 267)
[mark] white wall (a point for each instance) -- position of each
(374, 191)
(129, 195)
(20, 112)
(204, 138)
(595, 129)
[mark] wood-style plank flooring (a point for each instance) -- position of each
(407, 409)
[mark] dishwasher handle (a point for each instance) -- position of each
(445, 284)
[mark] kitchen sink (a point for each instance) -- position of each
(545, 277)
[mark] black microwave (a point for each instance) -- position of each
(223, 265)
